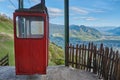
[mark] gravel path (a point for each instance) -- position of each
(53, 73)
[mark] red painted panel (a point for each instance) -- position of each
(31, 54)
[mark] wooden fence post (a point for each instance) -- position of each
(101, 60)
(106, 61)
(79, 57)
(116, 67)
(118, 71)
(76, 57)
(85, 49)
(82, 65)
(72, 56)
(95, 61)
(88, 57)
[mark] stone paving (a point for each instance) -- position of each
(53, 73)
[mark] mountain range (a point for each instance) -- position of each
(81, 32)
(115, 31)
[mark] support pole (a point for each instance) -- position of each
(66, 24)
(42, 4)
(20, 4)
(20, 19)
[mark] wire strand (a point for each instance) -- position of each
(12, 3)
(29, 1)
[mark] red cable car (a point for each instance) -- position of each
(31, 40)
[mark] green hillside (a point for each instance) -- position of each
(7, 45)
(56, 56)
(6, 25)
(6, 38)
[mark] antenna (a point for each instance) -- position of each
(29, 2)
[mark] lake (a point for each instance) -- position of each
(108, 43)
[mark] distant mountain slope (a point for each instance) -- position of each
(115, 31)
(104, 28)
(82, 32)
(56, 30)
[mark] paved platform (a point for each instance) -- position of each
(53, 73)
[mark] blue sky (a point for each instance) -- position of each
(82, 12)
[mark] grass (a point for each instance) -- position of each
(56, 56)
(6, 27)
(6, 46)
(6, 39)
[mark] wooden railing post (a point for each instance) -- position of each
(118, 71)
(104, 61)
(76, 56)
(72, 56)
(88, 57)
(95, 61)
(80, 57)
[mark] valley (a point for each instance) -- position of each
(84, 34)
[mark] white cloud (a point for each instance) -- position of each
(79, 10)
(2, 0)
(95, 10)
(116, 0)
(79, 18)
(91, 19)
(85, 18)
(55, 15)
(85, 11)
(36, 1)
(11, 7)
(98, 11)
(55, 12)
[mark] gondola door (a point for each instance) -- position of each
(31, 43)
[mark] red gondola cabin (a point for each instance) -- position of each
(31, 40)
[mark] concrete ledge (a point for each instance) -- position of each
(53, 73)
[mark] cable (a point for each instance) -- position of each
(12, 3)
(29, 1)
